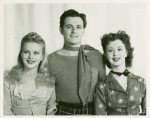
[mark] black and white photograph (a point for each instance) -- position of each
(85, 58)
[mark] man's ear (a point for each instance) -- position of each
(61, 30)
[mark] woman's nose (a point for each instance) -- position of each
(115, 52)
(30, 55)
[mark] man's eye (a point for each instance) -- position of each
(79, 27)
(25, 52)
(68, 27)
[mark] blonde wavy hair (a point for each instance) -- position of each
(43, 72)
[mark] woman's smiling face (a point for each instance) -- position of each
(116, 53)
(32, 54)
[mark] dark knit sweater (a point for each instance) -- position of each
(64, 69)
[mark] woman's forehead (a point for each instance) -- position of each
(32, 45)
(115, 43)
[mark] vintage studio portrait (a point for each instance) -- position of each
(75, 59)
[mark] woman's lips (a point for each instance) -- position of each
(30, 61)
(116, 59)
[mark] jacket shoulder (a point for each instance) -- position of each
(138, 78)
(12, 76)
(8, 81)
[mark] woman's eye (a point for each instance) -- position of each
(119, 49)
(109, 50)
(36, 53)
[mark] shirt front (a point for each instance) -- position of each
(122, 80)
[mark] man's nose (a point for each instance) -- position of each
(74, 30)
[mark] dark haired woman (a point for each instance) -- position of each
(122, 92)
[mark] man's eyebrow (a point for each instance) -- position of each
(79, 25)
(68, 24)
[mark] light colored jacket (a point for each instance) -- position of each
(43, 102)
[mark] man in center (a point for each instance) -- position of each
(76, 67)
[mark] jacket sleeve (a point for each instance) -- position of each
(7, 99)
(143, 104)
(51, 104)
(100, 99)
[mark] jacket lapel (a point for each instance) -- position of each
(113, 83)
(130, 82)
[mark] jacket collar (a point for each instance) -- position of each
(114, 85)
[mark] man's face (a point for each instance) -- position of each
(72, 31)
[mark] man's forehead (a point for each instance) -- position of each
(73, 20)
